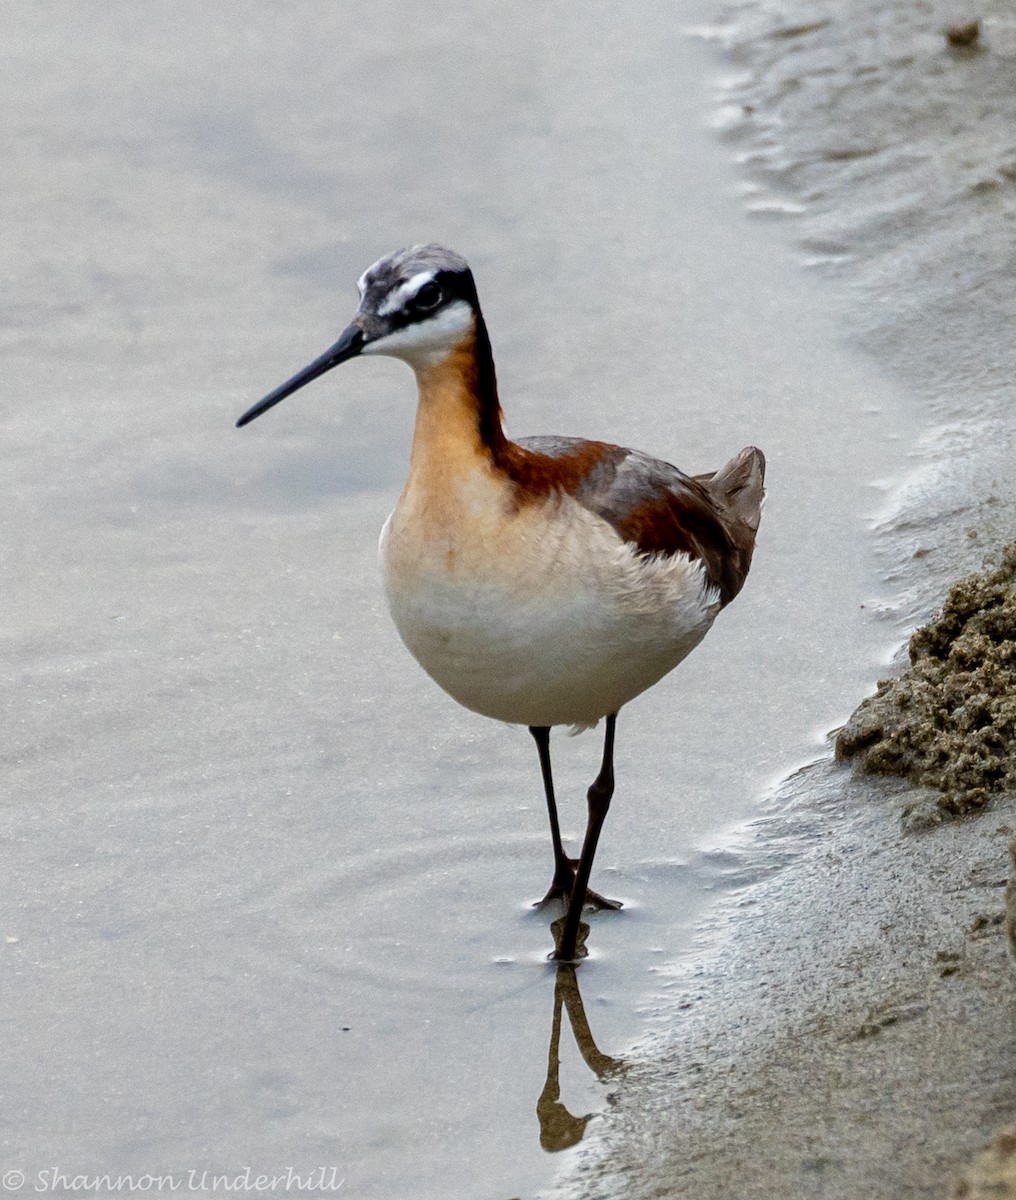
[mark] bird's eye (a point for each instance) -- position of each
(428, 297)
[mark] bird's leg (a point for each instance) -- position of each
(563, 884)
(599, 802)
(564, 871)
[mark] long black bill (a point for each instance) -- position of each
(348, 346)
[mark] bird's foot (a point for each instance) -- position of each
(564, 884)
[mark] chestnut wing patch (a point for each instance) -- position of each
(649, 503)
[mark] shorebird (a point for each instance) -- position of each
(541, 582)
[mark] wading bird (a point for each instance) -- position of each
(541, 582)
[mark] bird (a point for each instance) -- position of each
(541, 582)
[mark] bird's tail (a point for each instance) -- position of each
(739, 486)
(738, 491)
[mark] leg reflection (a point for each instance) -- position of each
(559, 1129)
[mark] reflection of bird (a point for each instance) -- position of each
(544, 582)
(558, 1128)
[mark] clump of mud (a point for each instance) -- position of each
(992, 1175)
(949, 722)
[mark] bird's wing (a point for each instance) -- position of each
(658, 508)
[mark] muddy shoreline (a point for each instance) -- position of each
(947, 721)
(856, 1036)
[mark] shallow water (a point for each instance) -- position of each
(267, 898)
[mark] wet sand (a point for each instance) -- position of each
(856, 1034)
(854, 1037)
(949, 720)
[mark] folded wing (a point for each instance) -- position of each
(652, 504)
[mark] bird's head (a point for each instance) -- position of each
(417, 305)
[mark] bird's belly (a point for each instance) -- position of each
(542, 623)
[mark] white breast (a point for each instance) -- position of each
(542, 616)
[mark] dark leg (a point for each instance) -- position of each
(564, 873)
(599, 802)
(563, 884)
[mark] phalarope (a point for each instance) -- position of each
(546, 581)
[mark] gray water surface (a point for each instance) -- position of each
(267, 898)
